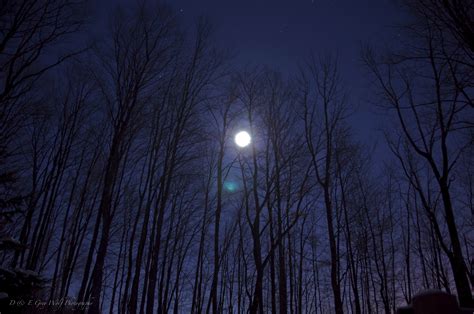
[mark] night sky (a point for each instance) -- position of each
(138, 172)
(281, 34)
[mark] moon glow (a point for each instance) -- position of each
(242, 139)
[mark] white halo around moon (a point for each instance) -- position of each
(242, 139)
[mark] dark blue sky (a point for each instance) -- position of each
(282, 33)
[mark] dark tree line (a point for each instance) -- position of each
(121, 184)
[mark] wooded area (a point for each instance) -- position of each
(121, 184)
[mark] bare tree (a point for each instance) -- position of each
(130, 69)
(30, 29)
(268, 168)
(428, 113)
(321, 96)
(452, 17)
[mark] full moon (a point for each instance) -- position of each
(242, 139)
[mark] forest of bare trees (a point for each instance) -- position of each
(121, 186)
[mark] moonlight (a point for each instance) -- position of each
(242, 139)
